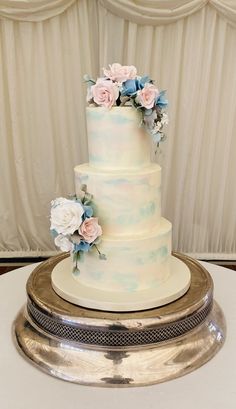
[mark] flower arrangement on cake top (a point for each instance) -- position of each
(121, 86)
(73, 226)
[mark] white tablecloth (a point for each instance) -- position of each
(22, 386)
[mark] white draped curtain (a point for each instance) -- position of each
(187, 46)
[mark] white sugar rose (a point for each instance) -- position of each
(63, 243)
(66, 216)
(120, 73)
(90, 229)
(58, 201)
(147, 96)
(105, 92)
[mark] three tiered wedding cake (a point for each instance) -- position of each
(118, 259)
(122, 188)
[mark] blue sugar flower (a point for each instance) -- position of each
(142, 81)
(88, 212)
(129, 87)
(83, 246)
(161, 102)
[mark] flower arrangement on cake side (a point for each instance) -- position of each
(121, 86)
(73, 226)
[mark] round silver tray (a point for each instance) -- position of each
(119, 349)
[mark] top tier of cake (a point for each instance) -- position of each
(116, 139)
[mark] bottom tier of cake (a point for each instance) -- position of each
(69, 289)
(132, 263)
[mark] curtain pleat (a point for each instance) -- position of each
(152, 12)
(33, 10)
(155, 12)
(43, 130)
(43, 135)
(226, 8)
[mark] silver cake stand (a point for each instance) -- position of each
(119, 349)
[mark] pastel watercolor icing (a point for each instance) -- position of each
(133, 263)
(116, 138)
(126, 189)
(126, 202)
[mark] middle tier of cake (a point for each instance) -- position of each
(126, 202)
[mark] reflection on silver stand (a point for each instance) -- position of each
(119, 349)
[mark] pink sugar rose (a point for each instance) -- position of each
(105, 92)
(147, 96)
(90, 229)
(120, 73)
